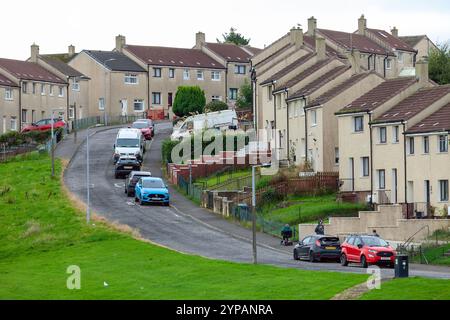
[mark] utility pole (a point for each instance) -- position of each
(254, 215)
(74, 126)
(88, 195)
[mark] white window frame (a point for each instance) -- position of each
(13, 124)
(155, 94)
(200, 75)
(388, 64)
(171, 73)
(42, 89)
(50, 90)
(9, 94)
(443, 143)
(76, 85)
(131, 78)
(71, 112)
(24, 87)
(157, 72)
(355, 122)
(313, 118)
(140, 102)
(61, 91)
(186, 74)
(400, 57)
(215, 75)
(101, 104)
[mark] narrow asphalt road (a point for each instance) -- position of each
(183, 226)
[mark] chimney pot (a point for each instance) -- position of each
(296, 37)
(200, 40)
(120, 42)
(34, 52)
(312, 26)
(362, 25)
(321, 48)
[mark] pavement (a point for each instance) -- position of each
(183, 226)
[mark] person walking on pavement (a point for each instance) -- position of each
(320, 229)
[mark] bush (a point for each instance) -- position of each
(189, 100)
(166, 150)
(216, 105)
(271, 196)
(245, 98)
(14, 138)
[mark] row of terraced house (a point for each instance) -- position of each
(362, 104)
(128, 80)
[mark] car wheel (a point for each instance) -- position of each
(311, 257)
(167, 204)
(363, 262)
(344, 261)
(296, 255)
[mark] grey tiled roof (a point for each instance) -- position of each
(120, 63)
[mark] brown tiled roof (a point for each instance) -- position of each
(289, 68)
(391, 40)
(354, 41)
(438, 121)
(311, 42)
(319, 82)
(306, 73)
(177, 57)
(335, 91)
(5, 82)
(379, 95)
(414, 104)
(230, 52)
(253, 50)
(61, 66)
(412, 40)
(28, 71)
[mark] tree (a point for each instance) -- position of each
(439, 64)
(189, 100)
(234, 37)
(245, 98)
(216, 105)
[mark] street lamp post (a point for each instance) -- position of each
(104, 99)
(254, 208)
(53, 139)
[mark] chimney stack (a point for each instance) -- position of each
(394, 32)
(320, 49)
(200, 40)
(71, 51)
(362, 25)
(312, 26)
(422, 72)
(296, 37)
(120, 42)
(355, 60)
(34, 52)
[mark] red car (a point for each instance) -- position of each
(45, 124)
(367, 250)
(145, 129)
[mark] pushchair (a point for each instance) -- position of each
(286, 234)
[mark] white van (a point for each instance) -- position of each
(221, 120)
(129, 142)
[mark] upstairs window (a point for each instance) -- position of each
(171, 73)
(382, 134)
(411, 145)
(239, 69)
(388, 64)
(156, 72)
(61, 92)
(200, 75)
(9, 94)
(215, 75)
(76, 85)
(131, 78)
(186, 74)
(50, 92)
(358, 124)
(426, 145)
(42, 89)
(443, 143)
(24, 87)
(395, 134)
(313, 117)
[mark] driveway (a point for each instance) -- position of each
(182, 226)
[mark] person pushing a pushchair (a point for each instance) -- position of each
(286, 233)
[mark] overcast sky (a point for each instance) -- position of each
(93, 24)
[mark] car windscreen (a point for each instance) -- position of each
(127, 143)
(329, 241)
(157, 184)
(374, 242)
(140, 125)
(136, 177)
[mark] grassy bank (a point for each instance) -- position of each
(41, 234)
(305, 209)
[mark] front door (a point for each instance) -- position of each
(124, 106)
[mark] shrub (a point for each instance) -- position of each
(189, 100)
(216, 105)
(271, 196)
(245, 98)
(166, 150)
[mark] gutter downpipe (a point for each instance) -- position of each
(275, 114)
(384, 65)
(226, 82)
(20, 105)
(371, 159)
(148, 90)
(68, 102)
(405, 169)
(306, 131)
(288, 145)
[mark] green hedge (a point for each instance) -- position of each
(14, 138)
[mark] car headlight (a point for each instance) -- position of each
(373, 251)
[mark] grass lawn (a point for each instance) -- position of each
(215, 180)
(41, 234)
(305, 209)
(411, 289)
(435, 255)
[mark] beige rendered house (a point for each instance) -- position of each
(428, 169)
(41, 91)
(78, 89)
(422, 44)
(9, 105)
(168, 68)
(118, 85)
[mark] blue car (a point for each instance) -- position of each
(151, 190)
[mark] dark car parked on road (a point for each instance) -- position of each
(317, 248)
(125, 165)
(132, 179)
